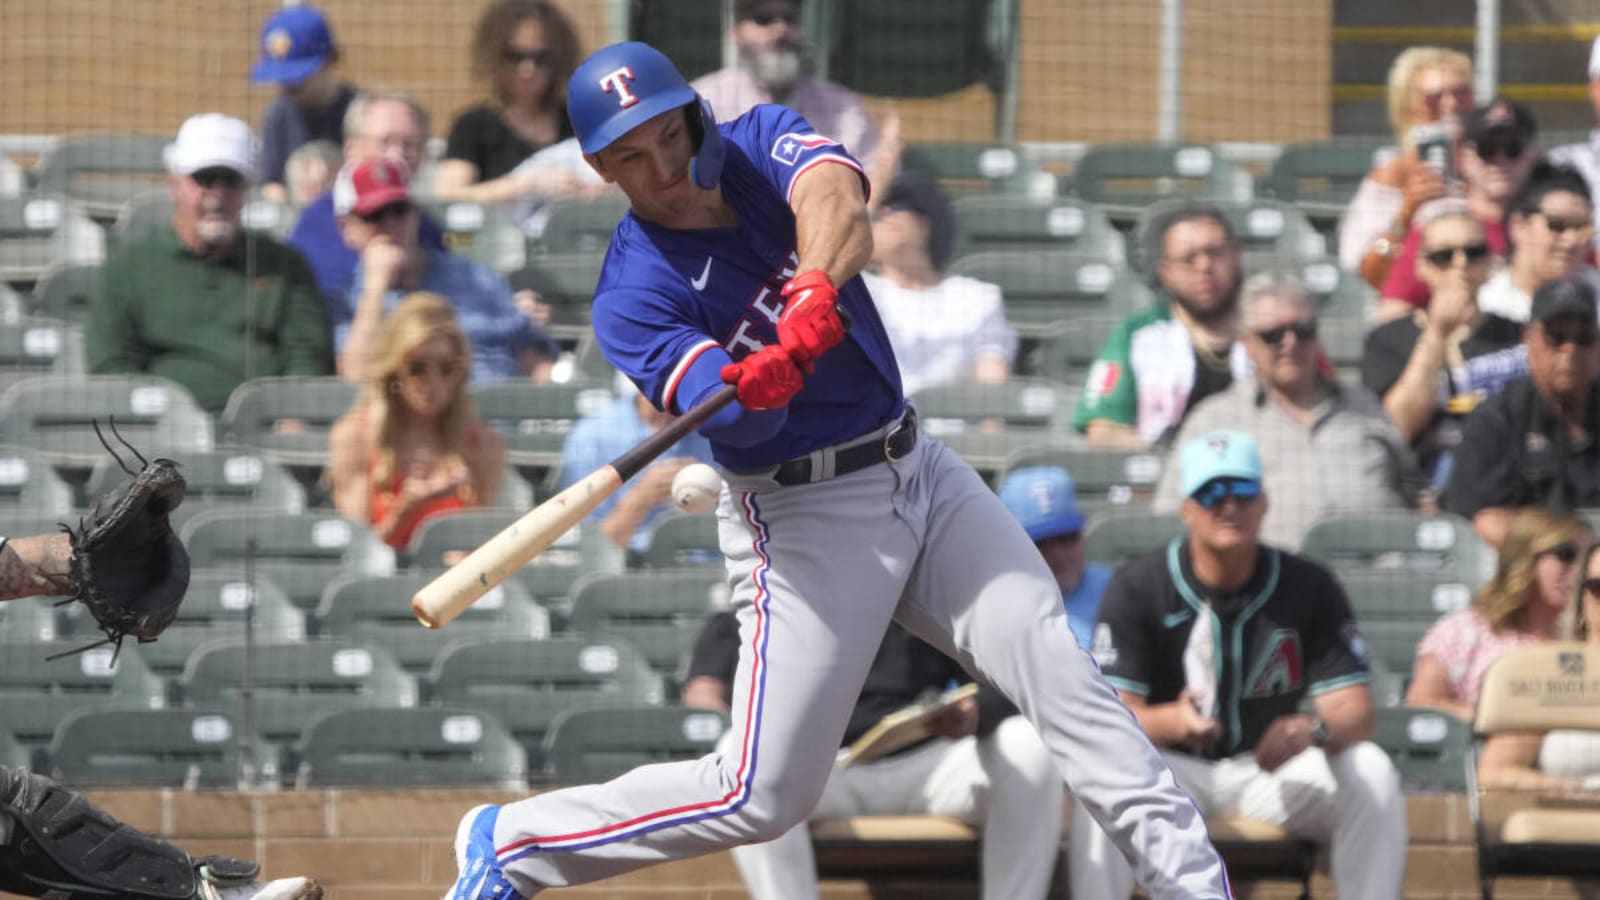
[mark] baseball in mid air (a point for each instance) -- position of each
(695, 488)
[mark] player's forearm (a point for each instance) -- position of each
(26, 564)
(832, 229)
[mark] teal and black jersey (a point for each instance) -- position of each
(1287, 634)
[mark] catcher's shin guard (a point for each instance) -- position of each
(63, 846)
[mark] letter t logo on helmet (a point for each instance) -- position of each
(616, 81)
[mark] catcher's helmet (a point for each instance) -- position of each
(625, 85)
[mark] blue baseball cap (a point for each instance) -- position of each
(295, 43)
(1042, 499)
(1218, 454)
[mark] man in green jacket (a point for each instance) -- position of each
(200, 302)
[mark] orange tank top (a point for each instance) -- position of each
(383, 498)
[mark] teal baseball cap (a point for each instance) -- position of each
(1218, 454)
(1043, 500)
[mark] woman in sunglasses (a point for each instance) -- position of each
(1560, 759)
(525, 50)
(1549, 224)
(412, 446)
(1534, 581)
(1427, 85)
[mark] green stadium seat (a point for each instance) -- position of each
(548, 579)
(39, 232)
(232, 478)
(404, 749)
(1270, 232)
(986, 423)
(37, 692)
(147, 748)
(1050, 224)
(1046, 293)
(659, 612)
(681, 540)
(218, 605)
(30, 347)
(1101, 478)
(1400, 539)
(910, 48)
(53, 415)
(148, 213)
(535, 418)
(579, 226)
(300, 553)
(1321, 177)
(1394, 607)
(1123, 179)
(104, 171)
(482, 233)
(586, 745)
(525, 683)
(256, 408)
(29, 485)
(963, 169)
(65, 292)
(1429, 748)
(1114, 536)
(566, 281)
(30, 620)
(377, 610)
(690, 34)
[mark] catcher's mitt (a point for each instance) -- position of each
(127, 565)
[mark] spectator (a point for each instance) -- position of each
(412, 446)
(1585, 157)
(983, 764)
(772, 67)
(945, 329)
(298, 54)
(309, 172)
(1496, 152)
(1216, 643)
(1428, 86)
(380, 124)
(525, 50)
(1042, 499)
(1535, 578)
(1558, 760)
(1326, 446)
(1534, 443)
(1549, 223)
(1162, 361)
(628, 516)
(1432, 368)
(197, 302)
(379, 221)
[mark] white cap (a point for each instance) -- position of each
(1594, 59)
(209, 140)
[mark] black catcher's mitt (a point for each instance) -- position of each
(127, 565)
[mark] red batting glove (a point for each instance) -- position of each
(810, 324)
(767, 378)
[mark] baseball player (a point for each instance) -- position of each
(1216, 642)
(742, 248)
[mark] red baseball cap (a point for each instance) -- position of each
(365, 186)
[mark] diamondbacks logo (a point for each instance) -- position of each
(787, 149)
(1280, 669)
(616, 82)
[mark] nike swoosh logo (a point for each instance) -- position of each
(705, 276)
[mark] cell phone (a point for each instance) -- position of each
(1435, 145)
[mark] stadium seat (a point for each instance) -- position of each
(525, 683)
(39, 232)
(1321, 177)
(233, 478)
(404, 749)
(660, 612)
(377, 610)
(535, 418)
(300, 553)
(13, 180)
(1045, 291)
(1401, 539)
(1536, 688)
(1115, 536)
(586, 745)
(37, 692)
(104, 171)
(986, 423)
(910, 48)
(680, 540)
(979, 168)
(12, 305)
(482, 233)
(579, 226)
(1429, 748)
(548, 579)
(65, 292)
(1101, 478)
(29, 620)
(31, 347)
(1394, 607)
(30, 486)
(12, 753)
(1270, 232)
(152, 212)
(256, 408)
(219, 604)
(54, 416)
(566, 281)
(1125, 178)
(147, 748)
(1014, 222)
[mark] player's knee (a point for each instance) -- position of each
(769, 818)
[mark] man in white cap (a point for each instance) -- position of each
(199, 302)
(1585, 156)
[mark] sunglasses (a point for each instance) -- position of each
(765, 19)
(1505, 148)
(1562, 226)
(444, 368)
(1442, 257)
(385, 213)
(1462, 95)
(1566, 553)
(1578, 334)
(515, 57)
(1591, 586)
(1302, 331)
(1212, 493)
(218, 177)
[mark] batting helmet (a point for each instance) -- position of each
(620, 87)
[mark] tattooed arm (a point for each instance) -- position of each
(35, 566)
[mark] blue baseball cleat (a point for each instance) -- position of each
(479, 875)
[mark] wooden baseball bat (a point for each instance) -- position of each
(460, 586)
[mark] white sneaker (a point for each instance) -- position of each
(281, 889)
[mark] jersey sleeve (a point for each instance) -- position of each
(1336, 654)
(647, 338)
(1122, 644)
(782, 146)
(1108, 391)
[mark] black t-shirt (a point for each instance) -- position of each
(1287, 634)
(1491, 358)
(904, 669)
(1208, 380)
(479, 136)
(1515, 451)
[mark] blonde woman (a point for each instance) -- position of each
(412, 446)
(1427, 85)
(1533, 584)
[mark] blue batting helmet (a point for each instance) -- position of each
(625, 85)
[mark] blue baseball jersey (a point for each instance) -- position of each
(673, 306)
